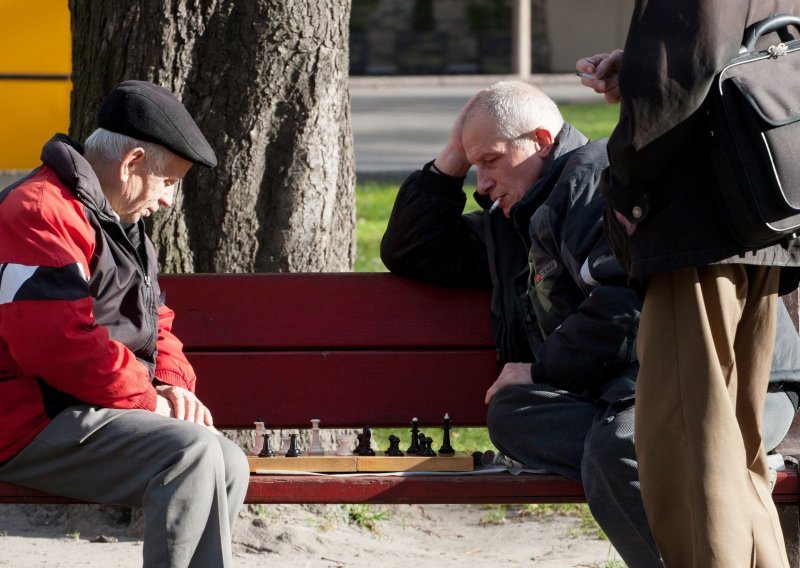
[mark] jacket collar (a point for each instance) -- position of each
(64, 156)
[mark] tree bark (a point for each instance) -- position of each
(266, 82)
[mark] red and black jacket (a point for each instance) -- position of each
(81, 320)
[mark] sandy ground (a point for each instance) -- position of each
(428, 536)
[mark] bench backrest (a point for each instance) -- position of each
(350, 349)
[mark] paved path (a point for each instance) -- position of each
(400, 123)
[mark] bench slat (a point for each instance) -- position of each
(490, 488)
(346, 388)
(312, 311)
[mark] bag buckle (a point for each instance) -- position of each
(777, 50)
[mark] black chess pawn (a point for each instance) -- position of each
(367, 449)
(359, 445)
(446, 448)
(476, 459)
(425, 449)
(266, 451)
(414, 447)
(394, 446)
(293, 451)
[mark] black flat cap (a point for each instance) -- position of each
(148, 112)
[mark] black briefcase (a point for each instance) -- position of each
(753, 110)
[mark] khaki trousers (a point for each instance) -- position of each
(705, 347)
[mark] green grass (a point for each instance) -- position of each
(595, 121)
(366, 516)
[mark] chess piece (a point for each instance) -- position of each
(366, 449)
(293, 451)
(316, 447)
(284, 443)
(360, 445)
(414, 447)
(394, 446)
(343, 448)
(266, 450)
(425, 446)
(428, 448)
(476, 458)
(258, 437)
(446, 448)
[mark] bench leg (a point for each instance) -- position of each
(789, 515)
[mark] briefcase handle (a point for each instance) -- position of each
(778, 22)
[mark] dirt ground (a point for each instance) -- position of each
(329, 536)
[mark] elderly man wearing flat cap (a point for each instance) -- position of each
(96, 397)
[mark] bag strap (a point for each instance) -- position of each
(778, 22)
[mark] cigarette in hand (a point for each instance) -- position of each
(494, 206)
(585, 75)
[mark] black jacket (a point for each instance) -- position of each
(429, 238)
(658, 156)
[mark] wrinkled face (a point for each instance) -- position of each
(506, 170)
(144, 187)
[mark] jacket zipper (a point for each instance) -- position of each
(149, 320)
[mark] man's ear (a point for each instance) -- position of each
(544, 139)
(131, 161)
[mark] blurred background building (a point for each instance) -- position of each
(422, 37)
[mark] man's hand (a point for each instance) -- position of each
(604, 71)
(452, 159)
(182, 404)
(512, 374)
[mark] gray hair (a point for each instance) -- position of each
(109, 147)
(517, 108)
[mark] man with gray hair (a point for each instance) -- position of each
(564, 314)
(96, 395)
(563, 399)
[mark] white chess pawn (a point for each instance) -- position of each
(343, 446)
(284, 443)
(316, 446)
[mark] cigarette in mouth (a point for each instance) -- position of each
(494, 206)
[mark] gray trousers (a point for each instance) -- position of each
(592, 443)
(189, 481)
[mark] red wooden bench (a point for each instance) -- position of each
(354, 350)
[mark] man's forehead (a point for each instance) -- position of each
(479, 136)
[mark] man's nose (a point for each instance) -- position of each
(167, 196)
(484, 184)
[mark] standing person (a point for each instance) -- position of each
(563, 400)
(708, 321)
(96, 396)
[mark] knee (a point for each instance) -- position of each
(609, 453)
(500, 416)
(237, 468)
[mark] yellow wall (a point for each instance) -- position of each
(34, 40)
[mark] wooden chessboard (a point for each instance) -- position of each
(355, 464)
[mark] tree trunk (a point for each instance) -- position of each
(266, 82)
